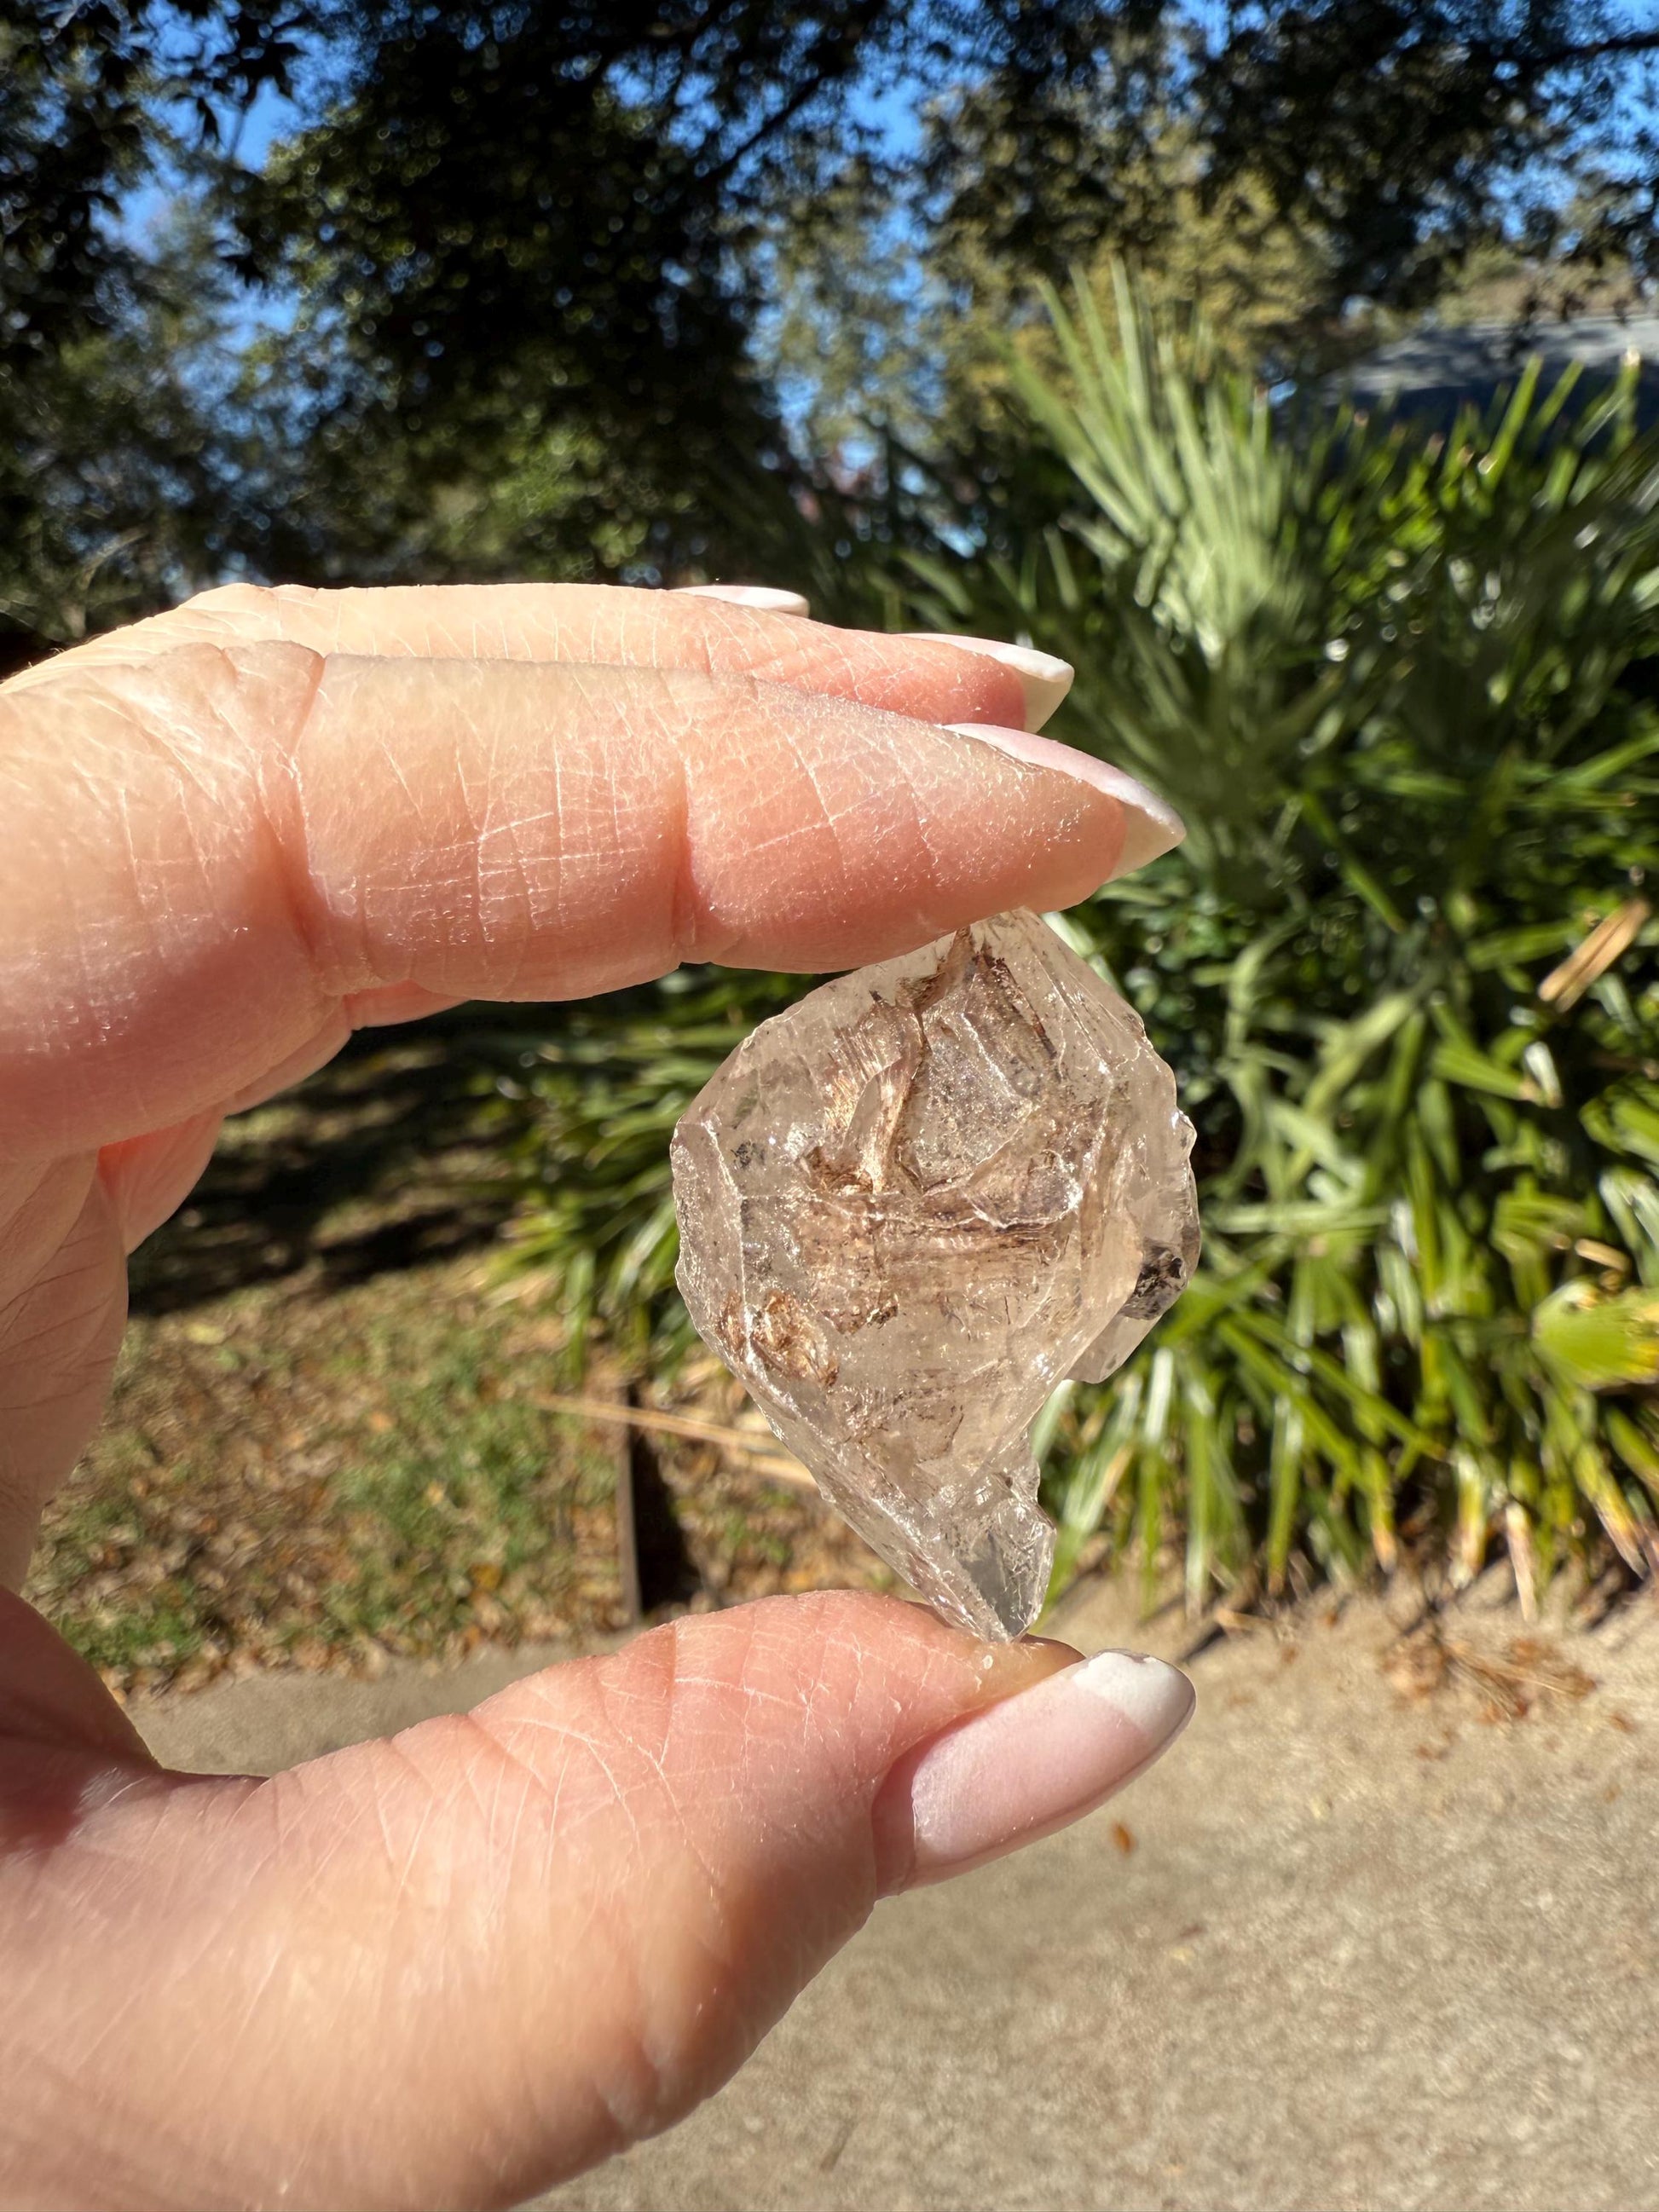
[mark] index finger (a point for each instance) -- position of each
(212, 850)
(936, 679)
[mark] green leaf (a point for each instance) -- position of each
(1598, 1342)
(1477, 1071)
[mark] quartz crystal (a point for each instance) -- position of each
(912, 1204)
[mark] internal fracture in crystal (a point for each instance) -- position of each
(909, 1207)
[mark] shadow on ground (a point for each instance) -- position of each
(391, 1156)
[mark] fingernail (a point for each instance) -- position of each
(1045, 680)
(748, 595)
(1027, 1766)
(1151, 824)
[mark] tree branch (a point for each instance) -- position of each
(1629, 43)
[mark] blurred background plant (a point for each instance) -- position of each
(1404, 692)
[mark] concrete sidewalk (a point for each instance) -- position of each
(1348, 1951)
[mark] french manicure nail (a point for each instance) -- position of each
(1151, 824)
(748, 595)
(1045, 680)
(1030, 1765)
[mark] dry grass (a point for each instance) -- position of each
(1527, 1673)
(315, 1477)
(325, 1444)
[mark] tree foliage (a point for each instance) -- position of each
(517, 276)
(1413, 132)
(91, 94)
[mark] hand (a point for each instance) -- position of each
(448, 1969)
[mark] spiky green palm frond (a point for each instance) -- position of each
(1403, 689)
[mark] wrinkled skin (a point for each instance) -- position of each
(448, 1968)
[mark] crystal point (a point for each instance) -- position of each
(909, 1207)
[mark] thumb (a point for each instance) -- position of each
(453, 1967)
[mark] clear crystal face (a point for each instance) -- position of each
(908, 1207)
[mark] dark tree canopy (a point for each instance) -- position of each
(580, 147)
(1413, 131)
(90, 91)
(514, 208)
(515, 255)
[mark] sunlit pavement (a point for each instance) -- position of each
(1341, 1949)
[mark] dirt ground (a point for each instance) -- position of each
(336, 1436)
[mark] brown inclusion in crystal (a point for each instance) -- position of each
(909, 1206)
